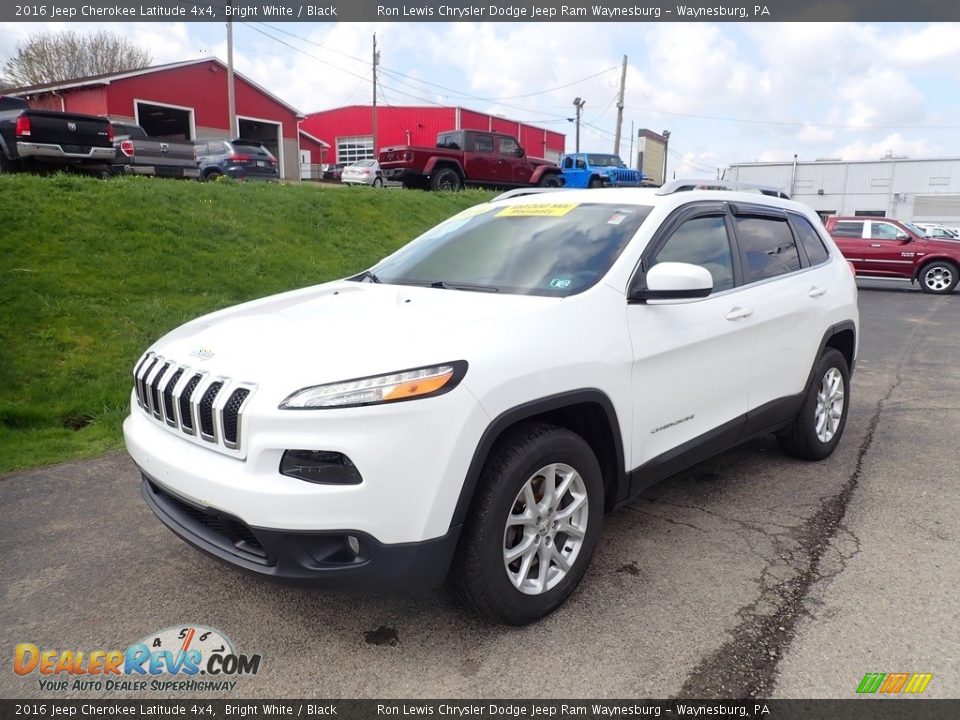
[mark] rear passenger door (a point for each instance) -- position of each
(785, 297)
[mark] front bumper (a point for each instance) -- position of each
(333, 560)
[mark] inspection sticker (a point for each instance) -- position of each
(537, 210)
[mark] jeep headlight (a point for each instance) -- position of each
(393, 387)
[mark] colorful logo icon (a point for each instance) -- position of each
(894, 683)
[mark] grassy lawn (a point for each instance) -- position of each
(93, 272)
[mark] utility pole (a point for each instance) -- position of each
(666, 146)
(231, 98)
(631, 144)
(376, 61)
(578, 104)
(623, 85)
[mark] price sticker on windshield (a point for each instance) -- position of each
(537, 210)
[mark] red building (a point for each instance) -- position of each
(183, 101)
(349, 130)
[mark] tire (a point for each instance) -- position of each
(551, 180)
(816, 430)
(446, 180)
(521, 590)
(596, 183)
(378, 182)
(211, 176)
(938, 277)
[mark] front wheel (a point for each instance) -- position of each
(938, 277)
(533, 527)
(816, 430)
(378, 182)
(550, 180)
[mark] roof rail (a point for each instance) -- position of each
(682, 185)
(519, 192)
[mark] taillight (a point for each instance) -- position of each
(110, 133)
(240, 158)
(126, 147)
(23, 126)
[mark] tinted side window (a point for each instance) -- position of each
(702, 241)
(884, 231)
(483, 144)
(812, 243)
(508, 146)
(848, 229)
(768, 247)
(568, 163)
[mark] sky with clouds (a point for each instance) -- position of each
(728, 92)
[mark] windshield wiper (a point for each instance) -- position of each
(463, 286)
(366, 276)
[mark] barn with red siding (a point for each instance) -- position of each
(182, 101)
(349, 130)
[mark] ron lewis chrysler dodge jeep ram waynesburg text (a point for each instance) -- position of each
(476, 401)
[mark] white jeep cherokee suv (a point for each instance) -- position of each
(476, 401)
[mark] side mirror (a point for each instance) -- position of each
(519, 152)
(903, 237)
(674, 281)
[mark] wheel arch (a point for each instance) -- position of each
(841, 337)
(542, 170)
(933, 258)
(438, 163)
(589, 413)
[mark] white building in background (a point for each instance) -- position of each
(894, 187)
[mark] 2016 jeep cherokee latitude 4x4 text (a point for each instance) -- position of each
(474, 402)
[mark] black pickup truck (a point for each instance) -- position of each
(139, 154)
(42, 137)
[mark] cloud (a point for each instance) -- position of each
(894, 144)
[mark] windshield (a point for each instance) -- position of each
(605, 161)
(916, 229)
(556, 249)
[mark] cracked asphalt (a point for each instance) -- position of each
(750, 575)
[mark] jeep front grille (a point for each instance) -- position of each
(208, 409)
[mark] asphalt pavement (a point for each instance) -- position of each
(749, 575)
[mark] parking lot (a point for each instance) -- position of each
(750, 574)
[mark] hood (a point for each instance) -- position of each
(340, 330)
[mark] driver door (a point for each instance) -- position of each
(691, 358)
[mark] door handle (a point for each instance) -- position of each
(739, 313)
(816, 292)
(875, 245)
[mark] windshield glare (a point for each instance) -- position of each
(556, 249)
(605, 161)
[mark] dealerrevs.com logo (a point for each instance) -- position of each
(186, 658)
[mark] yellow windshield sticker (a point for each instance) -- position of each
(537, 210)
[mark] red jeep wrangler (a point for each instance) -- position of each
(467, 157)
(878, 247)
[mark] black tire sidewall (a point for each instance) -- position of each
(555, 446)
(807, 429)
(955, 273)
(438, 180)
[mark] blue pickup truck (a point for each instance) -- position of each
(595, 170)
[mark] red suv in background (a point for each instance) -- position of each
(883, 248)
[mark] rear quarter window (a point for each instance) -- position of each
(810, 239)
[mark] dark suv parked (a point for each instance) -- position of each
(239, 159)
